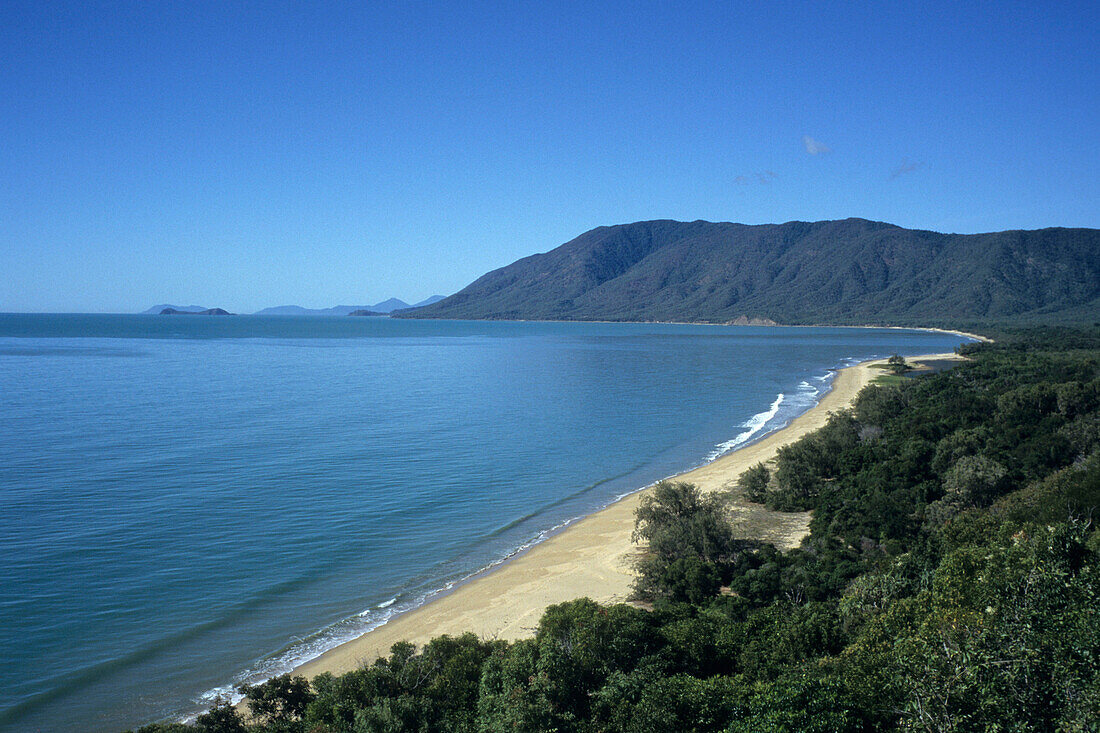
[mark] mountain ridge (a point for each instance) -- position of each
(383, 308)
(386, 306)
(845, 272)
(297, 310)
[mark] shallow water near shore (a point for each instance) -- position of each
(192, 502)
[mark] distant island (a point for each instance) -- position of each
(158, 309)
(207, 312)
(847, 272)
(297, 310)
(385, 307)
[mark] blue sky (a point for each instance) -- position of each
(243, 155)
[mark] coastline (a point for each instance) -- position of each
(727, 324)
(593, 556)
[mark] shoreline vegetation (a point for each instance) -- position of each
(594, 556)
(915, 554)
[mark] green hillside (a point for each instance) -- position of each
(844, 272)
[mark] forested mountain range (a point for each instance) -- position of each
(851, 271)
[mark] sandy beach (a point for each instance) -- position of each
(593, 557)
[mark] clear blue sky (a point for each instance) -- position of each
(251, 154)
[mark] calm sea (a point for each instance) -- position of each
(191, 502)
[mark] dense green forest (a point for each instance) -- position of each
(950, 582)
(838, 272)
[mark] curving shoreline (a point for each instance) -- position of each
(594, 555)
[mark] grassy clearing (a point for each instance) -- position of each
(888, 377)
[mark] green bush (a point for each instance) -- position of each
(753, 483)
(688, 541)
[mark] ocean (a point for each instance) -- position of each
(191, 502)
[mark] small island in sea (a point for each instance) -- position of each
(206, 312)
(156, 309)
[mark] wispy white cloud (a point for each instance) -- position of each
(907, 166)
(763, 178)
(815, 147)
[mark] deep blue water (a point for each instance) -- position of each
(189, 502)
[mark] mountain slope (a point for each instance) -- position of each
(849, 271)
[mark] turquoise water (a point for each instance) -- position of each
(191, 502)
